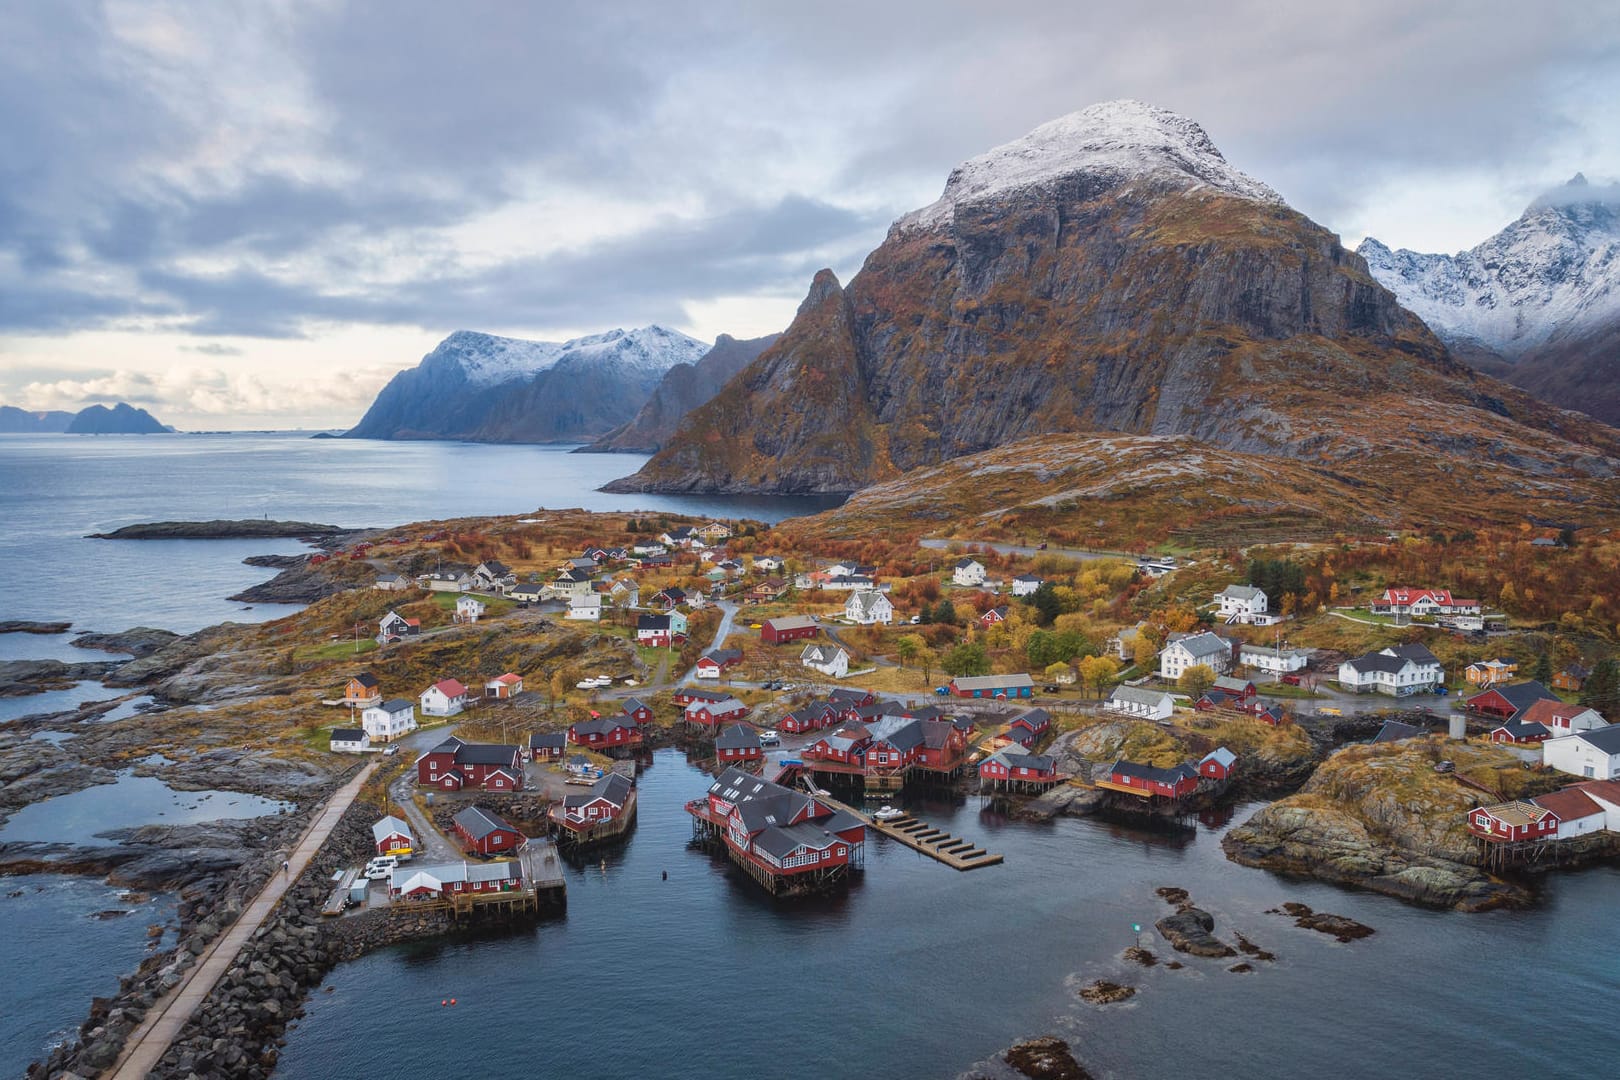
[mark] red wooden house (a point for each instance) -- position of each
(781, 836)
(812, 717)
(780, 631)
(1520, 731)
(392, 836)
(993, 616)
(713, 664)
(602, 732)
(1513, 821)
(845, 698)
(410, 882)
(454, 765)
(638, 710)
(846, 745)
(1149, 780)
(1012, 767)
(486, 833)
(608, 799)
(714, 713)
(1027, 727)
(738, 743)
(1504, 702)
(549, 747)
(944, 744)
(896, 742)
(685, 695)
(1217, 764)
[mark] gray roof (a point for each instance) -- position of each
(614, 787)
(963, 564)
(1395, 731)
(820, 654)
(1150, 772)
(722, 656)
(992, 682)
(605, 725)
(558, 740)
(486, 754)
(1204, 644)
(792, 622)
(1227, 682)
(1222, 755)
(478, 822)
(365, 678)
(347, 734)
(1242, 592)
(899, 732)
(1038, 762)
(1606, 739)
(865, 599)
(737, 737)
(1140, 696)
(398, 704)
(779, 842)
(389, 825)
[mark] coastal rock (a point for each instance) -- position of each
(1045, 1058)
(1190, 930)
(20, 678)
(305, 582)
(1103, 992)
(25, 626)
(1339, 926)
(137, 641)
(222, 529)
(1138, 955)
(1064, 799)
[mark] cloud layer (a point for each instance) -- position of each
(217, 174)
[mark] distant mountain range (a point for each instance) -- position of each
(684, 388)
(1111, 273)
(484, 388)
(121, 419)
(1537, 304)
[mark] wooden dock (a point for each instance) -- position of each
(921, 837)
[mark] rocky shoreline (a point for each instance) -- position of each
(20, 678)
(29, 626)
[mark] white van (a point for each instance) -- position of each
(379, 868)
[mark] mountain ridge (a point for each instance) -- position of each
(485, 388)
(683, 388)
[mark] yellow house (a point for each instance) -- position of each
(1486, 672)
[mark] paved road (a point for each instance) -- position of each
(148, 1042)
(430, 842)
(728, 612)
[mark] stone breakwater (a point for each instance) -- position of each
(237, 1029)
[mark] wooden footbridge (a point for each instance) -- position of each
(921, 837)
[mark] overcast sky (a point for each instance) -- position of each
(246, 215)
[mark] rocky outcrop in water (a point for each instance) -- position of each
(27, 626)
(137, 641)
(222, 529)
(1045, 1058)
(19, 678)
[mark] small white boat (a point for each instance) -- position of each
(888, 813)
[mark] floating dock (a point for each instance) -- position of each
(921, 837)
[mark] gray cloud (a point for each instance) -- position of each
(230, 175)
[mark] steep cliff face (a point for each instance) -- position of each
(493, 389)
(684, 388)
(1109, 272)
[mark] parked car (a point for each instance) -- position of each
(770, 738)
(1051, 688)
(1290, 680)
(379, 868)
(393, 748)
(942, 690)
(915, 619)
(1445, 766)
(1329, 710)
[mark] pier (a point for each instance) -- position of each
(921, 837)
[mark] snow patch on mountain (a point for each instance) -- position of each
(487, 360)
(1114, 141)
(1553, 273)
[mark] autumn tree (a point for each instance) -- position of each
(969, 658)
(908, 647)
(1195, 680)
(1098, 671)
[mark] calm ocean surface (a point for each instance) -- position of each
(56, 488)
(916, 972)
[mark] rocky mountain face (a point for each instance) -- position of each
(685, 387)
(1538, 303)
(485, 388)
(1110, 272)
(121, 419)
(15, 421)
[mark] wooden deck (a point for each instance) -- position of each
(921, 837)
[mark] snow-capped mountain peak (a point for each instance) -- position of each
(1552, 273)
(1114, 141)
(488, 360)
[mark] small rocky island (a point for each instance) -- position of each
(223, 529)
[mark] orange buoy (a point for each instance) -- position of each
(452, 1001)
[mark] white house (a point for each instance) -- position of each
(1273, 661)
(625, 593)
(1592, 755)
(1124, 643)
(568, 584)
(1203, 648)
(1560, 718)
(1397, 671)
(828, 659)
(393, 582)
(350, 741)
(492, 576)
(1026, 584)
(767, 564)
(1147, 704)
(1578, 813)
(390, 720)
(967, 573)
(447, 697)
(1244, 604)
(469, 609)
(585, 607)
(445, 582)
(868, 607)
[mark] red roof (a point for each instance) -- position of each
(1607, 790)
(450, 688)
(510, 678)
(1569, 804)
(413, 622)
